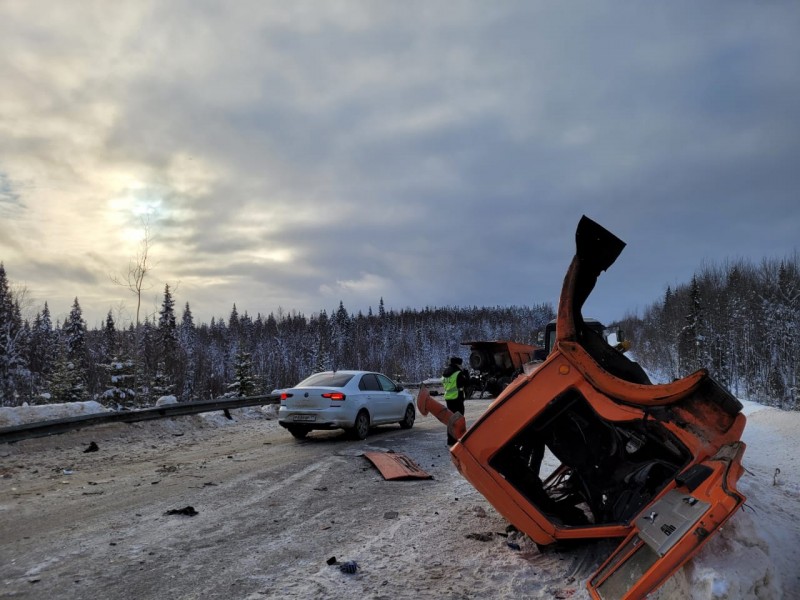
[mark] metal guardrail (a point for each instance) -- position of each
(57, 426)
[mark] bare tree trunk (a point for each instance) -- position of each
(138, 268)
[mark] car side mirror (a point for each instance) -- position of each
(398, 388)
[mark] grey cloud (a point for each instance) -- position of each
(445, 153)
(63, 273)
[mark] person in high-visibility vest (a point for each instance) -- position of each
(454, 380)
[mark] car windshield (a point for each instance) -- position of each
(326, 380)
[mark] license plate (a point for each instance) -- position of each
(305, 418)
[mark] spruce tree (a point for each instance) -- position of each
(42, 347)
(167, 338)
(109, 338)
(146, 361)
(74, 338)
(66, 383)
(692, 341)
(244, 383)
(74, 332)
(121, 377)
(11, 356)
(188, 342)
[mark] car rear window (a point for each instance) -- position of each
(326, 380)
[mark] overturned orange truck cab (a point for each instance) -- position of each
(656, 465)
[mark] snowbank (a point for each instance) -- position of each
(20, 415)
(757, 553)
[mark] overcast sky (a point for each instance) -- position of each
(433, 153)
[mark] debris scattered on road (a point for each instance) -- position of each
(391, 514)
(513, 546)
(188, 511)
(394, 465)
(481, 537)
(93, 447)
(350, 567)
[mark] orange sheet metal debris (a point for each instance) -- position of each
(396, 466)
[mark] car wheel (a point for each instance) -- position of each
(298, 431)
(361, 425)
(408, 420)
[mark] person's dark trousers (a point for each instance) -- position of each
(456, 406)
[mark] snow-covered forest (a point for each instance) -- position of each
(42, 361)
(740, 320)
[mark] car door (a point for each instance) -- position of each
(373, 396)
(394, 403)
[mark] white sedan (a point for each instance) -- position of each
(350, 400)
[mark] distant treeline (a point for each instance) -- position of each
(242, 355)
(741, 321)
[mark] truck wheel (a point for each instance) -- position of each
(479, 361)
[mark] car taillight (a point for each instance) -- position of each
(334, 395)
(284, 396)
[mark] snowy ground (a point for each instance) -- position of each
(758, 552)
(272, 510)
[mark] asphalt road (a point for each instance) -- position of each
(271, 511)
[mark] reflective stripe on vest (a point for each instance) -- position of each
(450, 386)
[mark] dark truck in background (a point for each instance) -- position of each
(494, 364)
(613, 336)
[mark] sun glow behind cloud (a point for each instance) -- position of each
(279, 255)
(135, 209)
